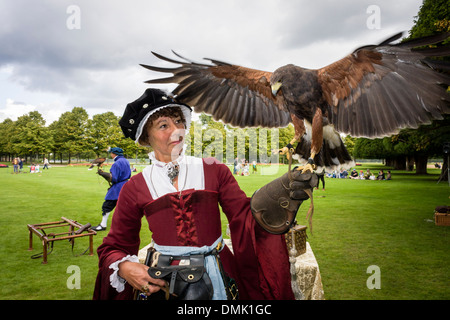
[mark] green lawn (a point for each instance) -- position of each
(357, 224)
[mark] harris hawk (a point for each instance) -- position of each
(97, 162)
(373, 92)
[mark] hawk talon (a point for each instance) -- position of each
(281, 151)
(307, 167)
(284, 151)
(310, 167)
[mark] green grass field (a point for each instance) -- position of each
(356, 223)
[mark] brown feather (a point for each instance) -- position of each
(339, 78)
(317, 132)
(252, 79)
(299, 126)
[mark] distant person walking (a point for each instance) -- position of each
(15, 164)
(45, 164)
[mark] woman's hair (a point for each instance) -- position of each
(171, 112)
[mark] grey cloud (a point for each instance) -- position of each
(341, 20)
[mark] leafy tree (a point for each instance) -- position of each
(30, 136)
(70, 132)
(369, 149)
(6, 132)
(349, 143)
(213, 138)
(103, 131)
(433, 18)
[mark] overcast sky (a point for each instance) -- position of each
(55, 55)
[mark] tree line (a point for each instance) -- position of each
(411, 148)
(72, 135)
(76, 137)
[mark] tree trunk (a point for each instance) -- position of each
(421, 164)
(444, 171)
(400, 163)
(389, 162)
(409, 163)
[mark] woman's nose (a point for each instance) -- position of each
(176, 131)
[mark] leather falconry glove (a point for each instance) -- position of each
(275, 205)
(106, 175)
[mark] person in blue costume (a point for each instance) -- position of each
(117, 176)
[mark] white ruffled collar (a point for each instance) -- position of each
(166, 165)
(192, 178)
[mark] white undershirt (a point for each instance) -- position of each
(190, 176)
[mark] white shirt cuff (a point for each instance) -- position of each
(117, 281)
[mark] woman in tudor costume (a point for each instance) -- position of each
(180, 196)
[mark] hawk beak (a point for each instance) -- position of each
(275, 87)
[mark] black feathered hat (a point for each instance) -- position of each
(137, 112)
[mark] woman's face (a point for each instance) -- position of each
(166, 136)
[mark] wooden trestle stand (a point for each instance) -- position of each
(76, 230)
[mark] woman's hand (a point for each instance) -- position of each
(136, 275)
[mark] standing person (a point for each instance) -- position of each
(179, 196)
(321, 177)
(236, 166)
(20, 164)
(119, 174)
(45, 164)
(15, 164)
(254, 167)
